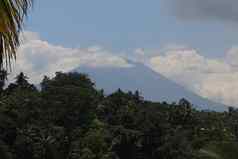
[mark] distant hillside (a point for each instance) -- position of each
(153, 86)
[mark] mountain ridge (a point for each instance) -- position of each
(152, 85)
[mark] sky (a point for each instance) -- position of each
(125, 25)
(192, 42)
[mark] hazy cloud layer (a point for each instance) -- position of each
(38, 58)
(215, 79)
(205, 9)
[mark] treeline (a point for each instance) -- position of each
(68, 118)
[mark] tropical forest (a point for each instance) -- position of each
(66, 117)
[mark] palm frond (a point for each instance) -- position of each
(12, 13)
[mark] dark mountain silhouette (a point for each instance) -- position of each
(152, 85)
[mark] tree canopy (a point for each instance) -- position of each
(68, 118)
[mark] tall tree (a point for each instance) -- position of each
(21, 80)
(12, 13)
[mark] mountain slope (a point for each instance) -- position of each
(153, 85)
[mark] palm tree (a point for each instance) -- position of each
(12, 13)
(3, 79)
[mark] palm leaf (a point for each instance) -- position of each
(12, 13)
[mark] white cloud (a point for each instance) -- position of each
(140, 51)
(38, 58)
(216, 79)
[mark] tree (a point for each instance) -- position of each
(21, 83)
(21, 80)
(12, 13)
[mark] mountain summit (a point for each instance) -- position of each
(152, 85)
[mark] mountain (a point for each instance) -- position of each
(152, 85)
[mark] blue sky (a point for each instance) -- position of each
(124, 25)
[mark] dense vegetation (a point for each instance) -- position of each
(69, 119)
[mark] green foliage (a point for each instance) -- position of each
(69, 119)
(220, 150)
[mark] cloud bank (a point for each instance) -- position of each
(37, 58)
(216, 79)
(205, 9)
